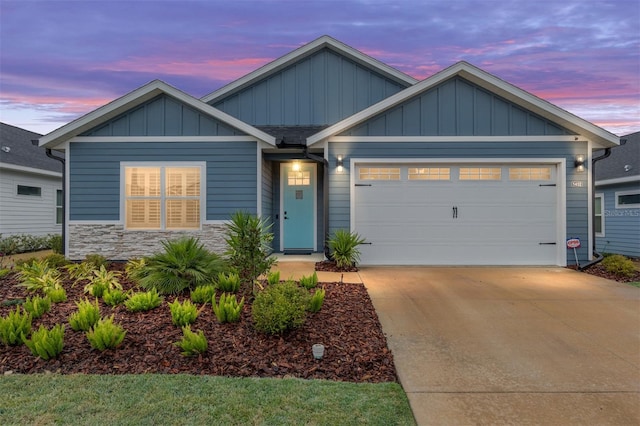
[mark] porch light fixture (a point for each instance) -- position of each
(296, 166)
(340, 163)
(579, 163)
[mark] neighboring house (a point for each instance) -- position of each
(30, 185)
(617, 199)
(459, 168)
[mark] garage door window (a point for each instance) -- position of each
(379, 173)
(529, 173)
(480, 173)
(429, 173)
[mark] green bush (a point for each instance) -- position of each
(4, 272)
(143, 301)
(97, 260)
(343, 248)
(56, 295)
(136, 268)
(55, 243)
(87, 315)
(46, 343)
(37, 306)
(24, 243)
(106, 335)
(192, 343)
(249, 247)
(184, 313)
(619, 265)
(101, 280)
(56, 260)
(228, 309)
(280, 307)
(316, 301)
(21, 262)
(203, 293)
(185, 263)
(15, 327)
(310, 281)
(229, 283)
(39, 276)
(273, 277)
(114, 297)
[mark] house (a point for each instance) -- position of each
(30, 185)
(459, 168)
(617, 199)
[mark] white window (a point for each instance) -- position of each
(598, 209)
(298, 178)
(379, 173)
(59, 201)
(529, 173)
(163, 197)
(429, 173)
(480, 173)
(628, 199)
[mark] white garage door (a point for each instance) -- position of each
(456, 214)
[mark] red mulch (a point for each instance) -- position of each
(600, 271)
(330, 266)
(347, 324)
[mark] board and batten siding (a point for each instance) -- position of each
(576, 200)
(621, 225)
(94, 175)
(163, 116)
(456, 107)
(319, 90)
(28, 214)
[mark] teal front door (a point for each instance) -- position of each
(298, 206)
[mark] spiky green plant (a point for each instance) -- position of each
(203, 293)
(310, 281)
(87, 315)
(316, 301)
(192, 343)
(106, 334)
(101, 280)
(46, 343)
(273, 277)
(114, 297)
(184, 313)
(229, 283)
(80, 272)
(15, 327)
(56, 295)
(343, 248)
(228, 309)
(37, 306)
(136, 268)
(143, 301)
(184, 263)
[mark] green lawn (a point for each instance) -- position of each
(188, 400)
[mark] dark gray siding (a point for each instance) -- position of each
(456, 108)
(267, 191)
(95, 175)
(621, 226)
(319, 90)
(163, 116)
(577, 197)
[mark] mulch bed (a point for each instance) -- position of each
(347, 324)
(330, 266)
(600, 271)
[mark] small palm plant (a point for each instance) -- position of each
(343, 248)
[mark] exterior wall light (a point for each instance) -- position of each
(579, 163)
(340, 164)
(296, 166)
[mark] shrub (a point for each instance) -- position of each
(184, 263)
(203, 293)
(56, 260)
(24, 243)
(249, 246)
(114, 296)
(87, 315)
(280, 308)
(192, 343)
(55, 243)
(106, 335)
(97, 260)
(619, 265)
(37, 306)
(227, 309)
(80, 272)
(4, 272)
(56, 295)
(229, 282)
(309, 282)
(135, 268)
(39, 276)
(316, 301)
(184, 313)
(144, 301)
(15, 327)
(343, 248)
(46, 343)
(273, 278)
(21, 262)
(102, 280)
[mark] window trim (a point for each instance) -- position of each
(627, 206)
(599, 195)
(39, 188)
(59, 207)
(162, 165)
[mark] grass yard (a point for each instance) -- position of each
(183, 399)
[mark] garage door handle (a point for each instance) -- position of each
(362, 184)
(455, 212)
(547, 244)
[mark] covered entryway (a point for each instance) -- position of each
(442, 213)
(298, 207)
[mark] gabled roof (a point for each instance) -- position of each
(623, 164)
(18, 153)
(492, 84)
(305, 51)
(138, 97)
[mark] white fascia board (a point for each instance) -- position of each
(138, 97)
(31, 170)
(149, 139)
(304, 51)
(449, 139)
(487, 81)
(616, 181)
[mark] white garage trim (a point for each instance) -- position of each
(559, 163)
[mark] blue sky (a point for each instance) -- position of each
(62, 59)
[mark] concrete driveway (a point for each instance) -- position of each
(511, 345)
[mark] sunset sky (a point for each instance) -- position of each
(62, 59)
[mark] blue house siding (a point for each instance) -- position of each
(456, 108)
(163, 116)
(94, 190)
(319, 90)
(621, 226)
(577, 196)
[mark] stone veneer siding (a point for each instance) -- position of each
(115, 243)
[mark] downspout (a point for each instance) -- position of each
(598, 256)
(325, 195)
(64, 197)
